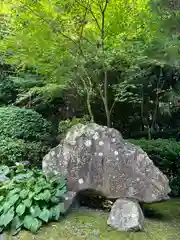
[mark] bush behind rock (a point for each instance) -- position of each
(26, 124)
(165, 154)
(17, 150)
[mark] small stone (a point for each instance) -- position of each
(126, 215)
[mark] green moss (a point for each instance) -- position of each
(163, 224)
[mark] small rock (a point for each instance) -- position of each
(126, 215)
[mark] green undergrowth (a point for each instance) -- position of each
(162, 223)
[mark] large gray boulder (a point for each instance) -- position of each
(126, 215)
(98, 158)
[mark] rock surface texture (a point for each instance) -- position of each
(98, 158)
(126, 215)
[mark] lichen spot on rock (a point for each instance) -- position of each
(80, 181)
(116, 153)
(95, 136)
(53, 153)
(88, 143)
(100, 154)
(101, 143)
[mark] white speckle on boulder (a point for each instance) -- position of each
(113, 140)
(80, 181)
(100, 154)
(116, 153)
(101, 143)
(44, 164)
(56, 172)
(96, 136)
(53, 153)
(88, 143)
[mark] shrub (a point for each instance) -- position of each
(68, 123)
(166, 156)
(8, 92)
(23, 124)
(17, 150)
(28, 199)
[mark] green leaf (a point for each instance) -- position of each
(31, 223)
(45, 214)
(27, 202)
(14, 199)
(4, 170)
(46, 195)
(38, 197)
(12, 192)
(57, 210)
(55, 199)
(20, 209)
(16, 225)
(60, 193)
(7, 206)
(1, 198)
(35, 211)
(1, 229)
(24, 193)
(7, 217)
(31, 195)
(38, 189)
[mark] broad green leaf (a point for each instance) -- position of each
(31, 223)
(38, 189)
(4, 170)
(7, 205)
(39, 197)
(27, 202)
(16, 225)
(1, 229)
(55, 199)
(31, 195)
(13, 191)
(1, 198)
(20, 209)
(24, 193)
(57, 210)
(14, 199)
(35, 211)
(46, 195)
(45, 214)
(7, 218)
(60, 193)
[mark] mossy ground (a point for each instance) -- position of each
(162, 223)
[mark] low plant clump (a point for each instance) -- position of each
(28, 198)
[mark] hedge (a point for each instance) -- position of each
(165, 154)
(26, 124)
(17, 150)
